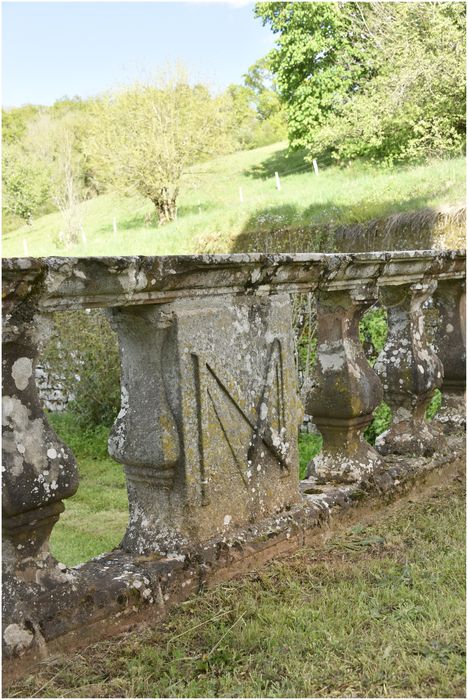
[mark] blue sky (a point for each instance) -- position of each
(52, 49)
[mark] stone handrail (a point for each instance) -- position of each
(207, 430)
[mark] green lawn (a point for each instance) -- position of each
(378, 610)
(211, 216)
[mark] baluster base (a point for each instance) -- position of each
(346, 458)
(452, 413)
(411, 434)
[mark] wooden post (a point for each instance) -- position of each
(278, 183)
(241, 195)
(316, 170)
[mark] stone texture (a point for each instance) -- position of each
(115, 592)
(208, 425)
(410, 371)
(345, 390)
(450, 343)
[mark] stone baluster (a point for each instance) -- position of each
(449, 339)
(410, 371)
(39, 471)
(207, 430)
(345, 390)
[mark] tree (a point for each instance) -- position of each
(381, 80)
(271, 116)
(145, 137)
(54, 141)
(25, 182)
(15, 122)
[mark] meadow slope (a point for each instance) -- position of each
(212, 218)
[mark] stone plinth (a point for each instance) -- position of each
(208, 425)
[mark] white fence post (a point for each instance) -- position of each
(316, 170)
(278, 183)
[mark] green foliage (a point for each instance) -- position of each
(26, 182)
(15, 122)
(95, 517)
(384, 81)
(309, 447)
(380, 423)
(84, 354)
(144, 138)
(435, 404)
(373, 332)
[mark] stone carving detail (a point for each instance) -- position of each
(410, 371)
(345, 390)
(450, 342)
(208, 432)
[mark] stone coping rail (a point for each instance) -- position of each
(208, 427)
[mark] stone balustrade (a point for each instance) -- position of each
(208, 425)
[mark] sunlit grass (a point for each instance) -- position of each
(210, 214)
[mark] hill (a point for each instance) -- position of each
(211, 216)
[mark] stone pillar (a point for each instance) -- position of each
(410, 371)
(345, 390)
(449, 339)
(39, 471)
(207, 430)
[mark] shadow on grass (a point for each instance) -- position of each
(286, 162)
(282, 162)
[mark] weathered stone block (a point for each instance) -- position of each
(208, 425)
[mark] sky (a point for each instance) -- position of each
(53, 49)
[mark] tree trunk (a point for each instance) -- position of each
(166, 206)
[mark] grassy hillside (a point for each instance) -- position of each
(212, 217)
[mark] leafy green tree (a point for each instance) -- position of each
(15, 122)
(145, 138)
(381, 80)
(271, 116)
(243, 114)
(55, 142)
(25, 182)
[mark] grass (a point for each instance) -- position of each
(377, 610)
(211, 217)
(95, 519)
